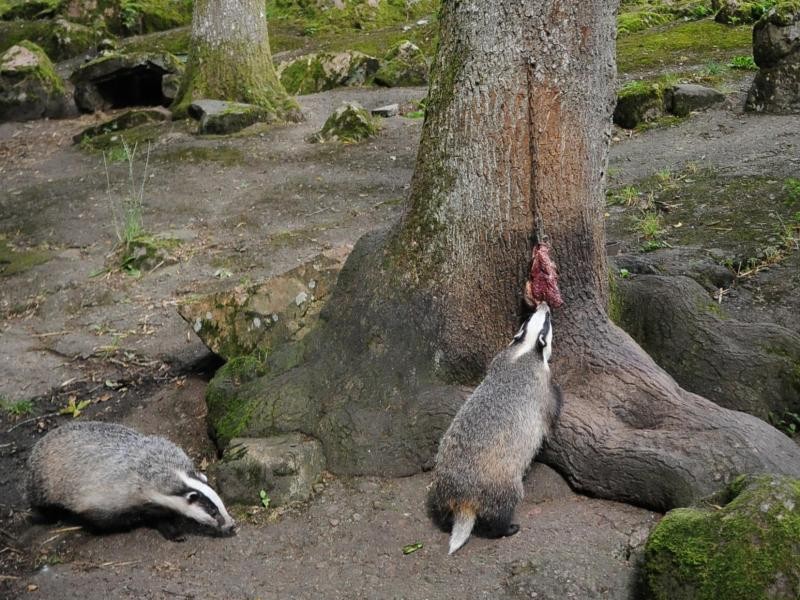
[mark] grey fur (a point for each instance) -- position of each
(493, 438)
(111, 476)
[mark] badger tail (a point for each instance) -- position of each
(463, 522)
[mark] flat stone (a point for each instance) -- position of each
(687, 97)
(390, 110)
(127, 120)
(286, 467)
(221, 117)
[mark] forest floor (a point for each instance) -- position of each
(244, 208)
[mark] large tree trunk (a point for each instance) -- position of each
(230, 59)
(514, 144)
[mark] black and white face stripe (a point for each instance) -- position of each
(201, 498)
(536, 333)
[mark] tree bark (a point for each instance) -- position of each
(515, 143)
(230, 59)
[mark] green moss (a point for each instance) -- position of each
(349, 123)
(14, 261)
(306, 76)
(175, 41)
(145, 16)
(783, 13)
(29, 9)
(631, 22)
(695, 40)
(111, 142)
(251, 79)
(744, 551)
(615, 304)
(638, 102)
(356, 14)
(230, 410)
(43, 71)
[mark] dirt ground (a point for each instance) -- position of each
(244, 208)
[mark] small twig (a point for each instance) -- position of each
(8, 577)
(50, 334)
(21, 423)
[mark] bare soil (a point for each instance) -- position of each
(246, 207)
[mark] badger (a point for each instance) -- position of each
(484, 454)
(110, 478)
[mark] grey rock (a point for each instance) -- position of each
(29, 86)
(117, 80)
(404, 65)
(390, 110)
(348, 123)
(286, 467)
(221, 117)
(687, 97)
(776, 49)
(324, 71)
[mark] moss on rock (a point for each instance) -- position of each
(351, 122)
(746, 550)
(325, 71)
(29, 85)
(639, 102)
(404, 65)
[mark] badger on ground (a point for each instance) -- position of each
(111, 478)
(484, 454)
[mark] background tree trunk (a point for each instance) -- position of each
(230, 59)
(514, 143)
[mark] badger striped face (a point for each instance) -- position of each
(536, 334)
(197, 501)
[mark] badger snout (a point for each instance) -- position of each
(227, 527)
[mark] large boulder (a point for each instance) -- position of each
(282, 468)
(776, 49)
(324, 71)
(29, 86)
(638, 102)
(351, 122)
(736, 12)
(221, 117)
(239, 321)
(684, 98)
(405, 65)
(29, 9)
(740, 545)
(118, 80)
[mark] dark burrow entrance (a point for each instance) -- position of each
(140, 86)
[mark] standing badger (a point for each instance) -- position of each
(111, 477)
(483, 455)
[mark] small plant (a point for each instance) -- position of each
(624, 274)
(713, 68)
(411, 548)
(265, 500)
(20, 408)
(792, 188)
(789, 423)
(745, 63)
(650, 226)
(74, 407)
(627, 196)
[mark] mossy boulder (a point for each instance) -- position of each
(29, 9)
(684, 98)
(127, 120)
(405, 65)
(29, 86)
(59, 38)
(631, 22)
(221, 118)
(351, 122)
(743, 544)
(736, 12)
(117, 80)
(130, 16)
(776, 50)
(325, 71)
(638, 102)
